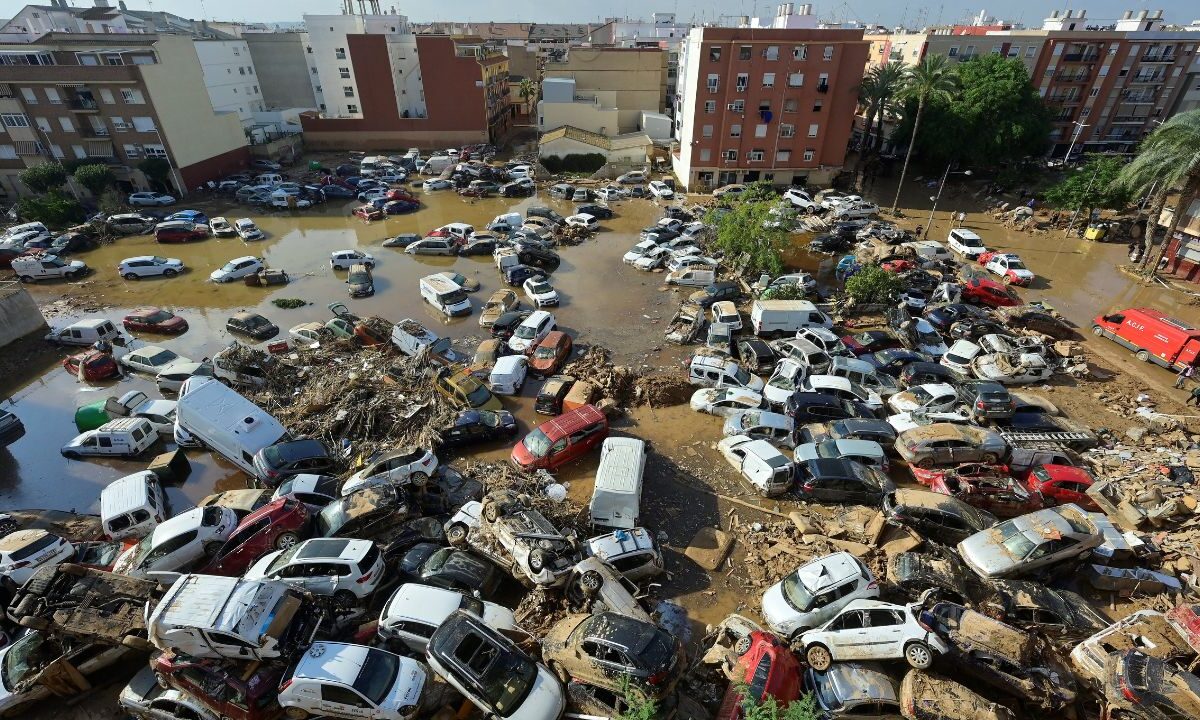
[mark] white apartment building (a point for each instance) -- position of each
(230, 78)
(331, 63)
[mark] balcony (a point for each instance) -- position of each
(1137, 98)
(1155, 79)
(94, 132)
(1158, 58)
(1136, 119)
(83, 104)
(1064, 98)
(1072, 77)
(1081, 57)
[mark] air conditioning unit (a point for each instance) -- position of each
(731, 106)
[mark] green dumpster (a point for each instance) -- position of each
(91, 416)
(314, 165)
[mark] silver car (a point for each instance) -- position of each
(1032, 542)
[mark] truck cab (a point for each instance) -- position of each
(1152, 335)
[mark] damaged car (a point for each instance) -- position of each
(1033, 543)
(611, 650)
(935, 516)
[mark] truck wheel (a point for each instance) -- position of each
(137, 643)
(26, 279)
(1143, 355)
(1097, 330)
(132, 276)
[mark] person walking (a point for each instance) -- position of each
(1194, 398)
(1183, 376)
(962, 218)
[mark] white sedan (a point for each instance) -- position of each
(873, 630)
(142, 266)
(150, 199)
(179, 542)
(1010, 268)
(691, 262)
(372, 194)
(436, 184)
(540, 292)
(345, 259)
(583, 220)
(929, 397)
(724, 402)
(637, 252)
(855, 211)
(24, 551)
(222, 227)
(660, 189)
(652, 258)
(151, 359)
(236, 269)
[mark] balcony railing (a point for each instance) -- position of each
(1072, 77)
(1139, 119)
(1137, 98)
(1061, 98)
(823, 87)
(1081, 57)
(1158, 58)
(80, 104)
(1155, 78)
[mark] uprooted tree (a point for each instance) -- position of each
(1091, 187)
(873, 284)
(50, 205)
(745, 237)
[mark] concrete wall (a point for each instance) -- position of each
(19, 314)
(636, 76)
(561, 147)
(583, 115)
(522, 61)
(656, 125)
(282, 70)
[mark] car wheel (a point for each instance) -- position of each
(132, 276)
(345, 599)
(170, 273)
(418, 479)
(1008, 280)
(988, 459)
(560, 672)
(591, 581)
(491, 513)
(925, 463)
(1097, 330)
(1143, 355)
(26, 279)
(743, 645)
(917, 654)
(295, 713)
(286, 541)
(819, 658)
(537, 561)
(457, 535)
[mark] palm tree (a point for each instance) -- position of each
(526, 90)
(930, 79)
(1168, 158)
(892, 80)
(876, 94)
(869, 97)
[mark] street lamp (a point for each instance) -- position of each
(1079, 126)
(941, 185)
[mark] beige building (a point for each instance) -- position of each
(958, 44)
(628, 149)
(603, 89)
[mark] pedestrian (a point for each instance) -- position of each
(918, 232)
(1194, 399)
(1184, 375)
(962, 218)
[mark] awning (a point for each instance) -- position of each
(100, 148)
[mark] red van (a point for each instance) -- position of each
(562, 440)
(1152, 336)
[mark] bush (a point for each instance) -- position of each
(574, 163)
(873, 284)
(803, 708)
(747, 241)
(96, 177)
(784, 292)
(44, 177)
(759, 191)
(53, 209)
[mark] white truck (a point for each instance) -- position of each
(31, 268)
(774, 317)
(209, 414)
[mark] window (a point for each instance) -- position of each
(14, 120)
(43, 124)
(808, 154)
(88, 60)
(789, 105)
(1085, 112)
(57, 151)
(113, 60)
(953, 51)
(1014, 51)
(29, 95)
(796, 80)
(787, 131)
(241, 70)
(352, 109)
(710, 106)
(131, 151)
(1029, 51)
(705, 155)
(800, 52)
(812, 130)
(340, 53)
(772, 52)
(314, 70)
(66, 124)
(823, 82)
(783, 155)
(768, 80)
(756, 155)
(707, 131)
(817, 105)
(344, 72)
(713, 83)
(828, 54)
(743, 79)
(714, 53)
(143, 124)
(53, 96)
(342, 696)
(735, 130)
(106, 96)
(744, 52)
(729, 154)
(157, 151)
(738, 106)
(996, 49)
(80, 153)
(348, 90)
(1094, 92)
(119, 123)
(255, 89)
(132, 97)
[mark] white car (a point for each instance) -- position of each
(414, 611)
(691, 262)
(143, 698)
(637, 252)
(345, 259)
(135, 403)
(436, 184)
(520, 171)
(179, 542)
(959, 356)
(735, 190)
(247, 230)
(930, 397)
(833, 200)
(373, 194)
(171, 378)
(814, 592)
(135, 268)
(726, 312)
(346, 570)
(608, 193)
(855, 211)
(531, 331)
(24, 551)
(653, 258)
(965, 243)
(151, 359)
(873, 630)
(340, 680)
(150, 199)
(724, 402)
(393, 176)
(236, 269)
(583, 220)
(759, 462)
(221, 227)
(267, 165)
(799, 198)
(539, 290)
(776, 428)
(926, 339)
(908, 421)
(1011, 369)
(842, 388)
(660, 189)
(412, 465)
(633, 177)
(787, 378)
(800, 279)
(508, 375)
(315, 491)
(1010, 268)
(308, 333)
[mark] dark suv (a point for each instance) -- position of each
(600, 212)
(276, 463)
(837, 480)
(987, 399)
(725, 290)
(545, 212)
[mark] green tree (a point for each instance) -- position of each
(1169, 158)
(157, 169)
(52, 208)
(877, 93)
(44, 177)
(759, 191)
(932, 79)
(1090, 187)
(746, 239)
(803, 708)
(873, 284)
(637, 705)
(96, 177)
(527, 89)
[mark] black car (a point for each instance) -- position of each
(725, 290)
(402, 240)
(367, 513)
(1032, 421)
(987, 399)
(1036, 608)
(600, 212)
(677, 213)
(806, 407)
(831, 243)
(837, 480)
(893, 360)
(252, 325)
(939, 517)
(449, 568)
(517, 274)
(479, 246)
(754, 354)
(538, 257)
(71, 242)
(849, 429)
(340, 192)
(943, 316)
(550, 396)
(659, 234)
(870, 341)
(975, 328)
(276, 463)
(545, 212)
(506, 324)
(515, 189)
(478, 426)
(922, 372)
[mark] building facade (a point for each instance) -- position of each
(115, 99)
(281, 66)
(602, 89)
(766, 104)
(230, 78)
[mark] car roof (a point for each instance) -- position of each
(935, 431)
(858, 447)
(332, 549)
(828, 571)
(767, 452)
(335, 662)
(20, 538)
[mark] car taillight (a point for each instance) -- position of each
(1127, 692)
(657, 677)
(364, 578)
(979, 404)
(807, 486)
(286, 684)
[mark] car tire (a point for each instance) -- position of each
(560, 672)
(988, 459)
(132, 276)
(170, 273)
(591, 581)
(137, 642)
(295, 713)
(537, 561)
(819, 658)
(1008, 280)
(918, 655)
(1143, 355)
(925, 463)
(457, 535)
(26, 279)
(286, 541)
(345, 599)
(491, 512)
(743, 645)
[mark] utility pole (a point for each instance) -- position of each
(1079, 126)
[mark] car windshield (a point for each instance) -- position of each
(506, 679)
(23, 657)
(539, 288)
(544, 352)
(783, 380)
(158, 317)
(537, 443)
(331, 518)
(359, 277)
(921, 395)
(158, 260)
(526, 332)
(378, 675)
(796, 594)
(1015, 541)
(284, 558)
(162, 357)
(478, 396)
(928, 337)
(256, 321)
(142, 550)
(970, 242)
(742, 377)
(489, 419)
(1015, 264)
(230, 266)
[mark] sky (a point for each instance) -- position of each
(911, 13)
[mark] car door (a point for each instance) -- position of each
(1049, 553)
(846, 637)
(343, 702)
(885, 632)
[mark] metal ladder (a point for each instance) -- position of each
(1025, 436)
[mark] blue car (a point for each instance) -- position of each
(400, 207)
(337, 191)
(517, 274)
(194, 216)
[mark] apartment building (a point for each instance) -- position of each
(602, 90)
(230, 78)
(766, 104)
(281, 66)
(115, 99)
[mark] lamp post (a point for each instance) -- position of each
(1079, 126)
(935, 198)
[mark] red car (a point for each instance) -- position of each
(898, 266)
(368, 213)
(1002, 495)
(928, 476)
(180, 232)
(234, 695)
(982, 291)
(399, 194)
(155, 320)
(278, 525)
(564, 439)
(1062, 484)
(550, 354)
(870, 341)
(770, 670)
(986, 256)
(96, 365)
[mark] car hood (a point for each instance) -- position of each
(903, 402)
(545, 698)
(986, 556)
(410, 680)
(780, 616)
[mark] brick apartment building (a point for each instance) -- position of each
(419, 90)
(115, 99)
(766, 104)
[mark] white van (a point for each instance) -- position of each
(862, 373)
(369, 166)
(435, 165)
(506, 257)
(769, 317)
(30, 268)
(617, 495)
(929, 251)
(132, 506)
(691, 278)
(719, 371)
(271, 179)
(214, 416)
(127, 437)
(84, 333)
(508, 375)
(445, 295)
(415, 340)
(966, 243)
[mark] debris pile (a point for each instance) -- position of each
(621, 384)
